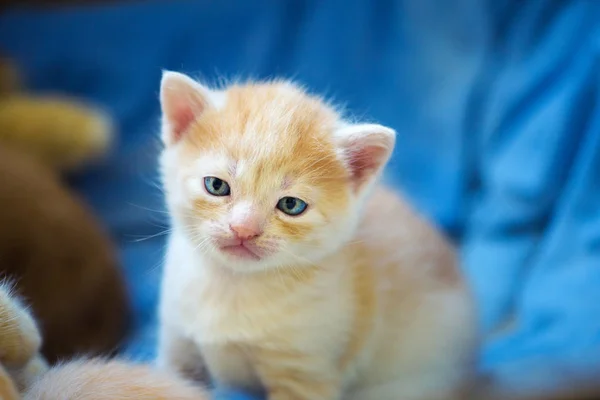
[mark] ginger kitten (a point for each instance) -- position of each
(111, 380)
(289, 268)
(25, 375)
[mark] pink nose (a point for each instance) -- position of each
(245, 231)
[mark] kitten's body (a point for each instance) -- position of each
(376, 319)
(358, 297)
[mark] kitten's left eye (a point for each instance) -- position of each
(216, 186)
(291, 206)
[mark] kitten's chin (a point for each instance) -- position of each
(238, 257)
(240, 264)
(240, 252)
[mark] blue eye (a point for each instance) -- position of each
(216, 186)
(291, 206)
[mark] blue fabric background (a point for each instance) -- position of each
(495, 102)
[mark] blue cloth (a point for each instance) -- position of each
(496, 105)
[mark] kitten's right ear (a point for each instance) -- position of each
(182, 100)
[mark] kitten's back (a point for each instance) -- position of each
(418, 292)
(392, 228)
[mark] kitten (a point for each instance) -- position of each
(111, 380)
(60, 260)
(289, 268)
(24, 375)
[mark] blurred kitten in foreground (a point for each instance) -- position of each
(110, 380)
(289, 266)
(25, 375)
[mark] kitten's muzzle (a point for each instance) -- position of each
(239, 248)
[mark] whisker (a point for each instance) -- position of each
(148, 209)
(166, 232)
(295, 270)
(283, 283)
(202, 245)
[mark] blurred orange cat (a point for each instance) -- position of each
(24, 374)
(110, 380)
(289, 268)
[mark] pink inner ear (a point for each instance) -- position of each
(364, 162)
(182, 101)
(181, 119)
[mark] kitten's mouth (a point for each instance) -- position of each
(241, 250)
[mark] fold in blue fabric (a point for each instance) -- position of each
(495, 103)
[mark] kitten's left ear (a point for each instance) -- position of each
(182, 100)
(366, 149)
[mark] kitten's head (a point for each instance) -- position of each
(264, 175)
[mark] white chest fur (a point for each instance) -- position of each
(230, 315)
(210, 306)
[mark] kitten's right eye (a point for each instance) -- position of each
(216, 186)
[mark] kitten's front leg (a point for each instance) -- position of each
(179, 354)
(292, 376)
